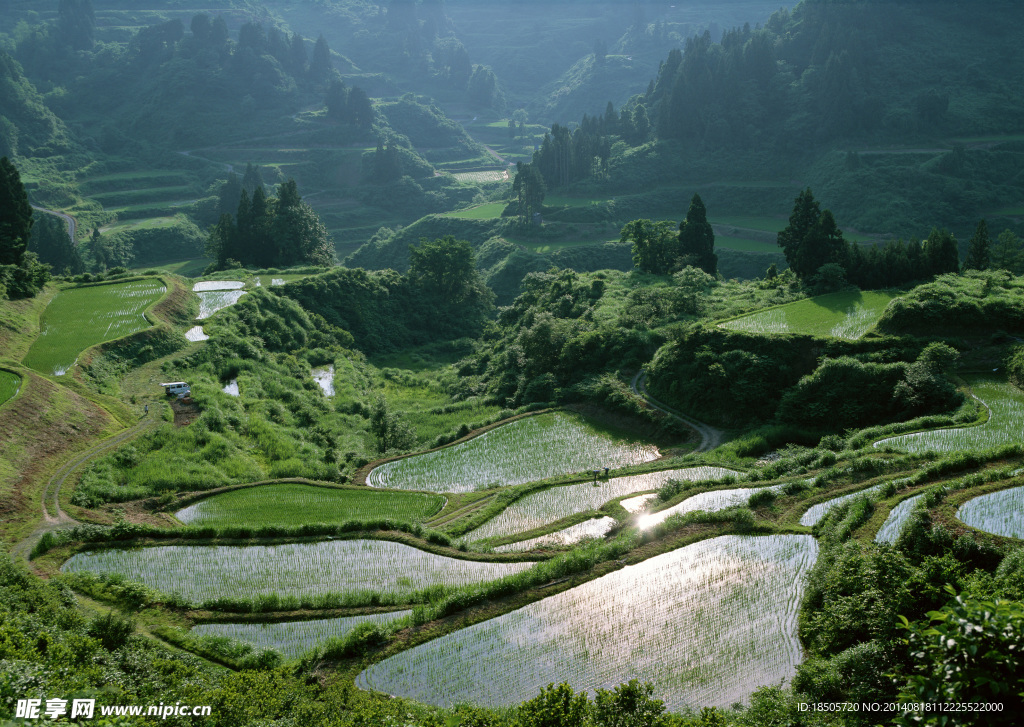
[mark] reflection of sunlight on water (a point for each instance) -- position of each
(195, 334)
(638, 503)
(324, 376)
(231, 387)
(209, 285)
(706, 501)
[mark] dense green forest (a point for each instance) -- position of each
(556, 364)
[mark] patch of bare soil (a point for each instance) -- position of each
(185, 412)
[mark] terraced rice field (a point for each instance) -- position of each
(215, 295)
(485, 177)
(9, 385)
(596, 528)
(638, 503)
(489, 211)
(707, 501)
(1006, 403)
(204, 572)
(817, 512)
(1000, 513)
(847, 315)
(898, 516)
(196, 334)
(294, 504)
(324, 377)
(293, 638)
(78, 318)
(554, 503)
(525, 450)
(706, 624)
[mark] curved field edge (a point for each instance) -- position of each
(445, 662)
(297, 504)
(891, 440)
(720, 323)
(550, 445)
(10, 385)
(359, 478)
(999, 513)
(147, 313)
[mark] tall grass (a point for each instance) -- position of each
(706, 624)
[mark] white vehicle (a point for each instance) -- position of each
(180, 389)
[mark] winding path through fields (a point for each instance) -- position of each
(72, 224)
(710, 437)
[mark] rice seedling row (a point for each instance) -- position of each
(706, 624)
(9, 385)
(707, 501)
(215, 300)
(1004, 426)
(293, 638)
(205, 572)
(78, 318)
(525, 450)
(847, 315)
(491, 175)
(554, 503)
(1000, 513)
(817, 512)
(596, 528)
(294, 504)
(898, 517)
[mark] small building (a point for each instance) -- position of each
(180, 389)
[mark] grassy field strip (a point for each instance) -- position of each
(214, 300)
(706, 624)
(817, 512)
(638, 503)
(1004, 426)
(706, 501)
(898, 517)
(293, 638)
(489, 211)
(9, 385)
(847, 315)
(596, 528)
(1000, 513)
(211, 285)
(554, 503)
(196, 334)
(204, 572)
(78, 318)
(529, 449)
(231, 388)
(324, 377)
(294, 504)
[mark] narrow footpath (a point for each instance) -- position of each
(710, 437)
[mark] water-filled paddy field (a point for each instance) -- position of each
(78, 318)
(293, 638)
(898, 517)
(847, 315)
(707, 501)
(294, 504)
(817, 512)
(324, 377)
(203, 572)
(706, 624)
(554, 503)
(9, 385)
(528, 449)
(1004, 426)
(999, 513)
(595, 528)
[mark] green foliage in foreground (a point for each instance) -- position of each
(292, 504)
